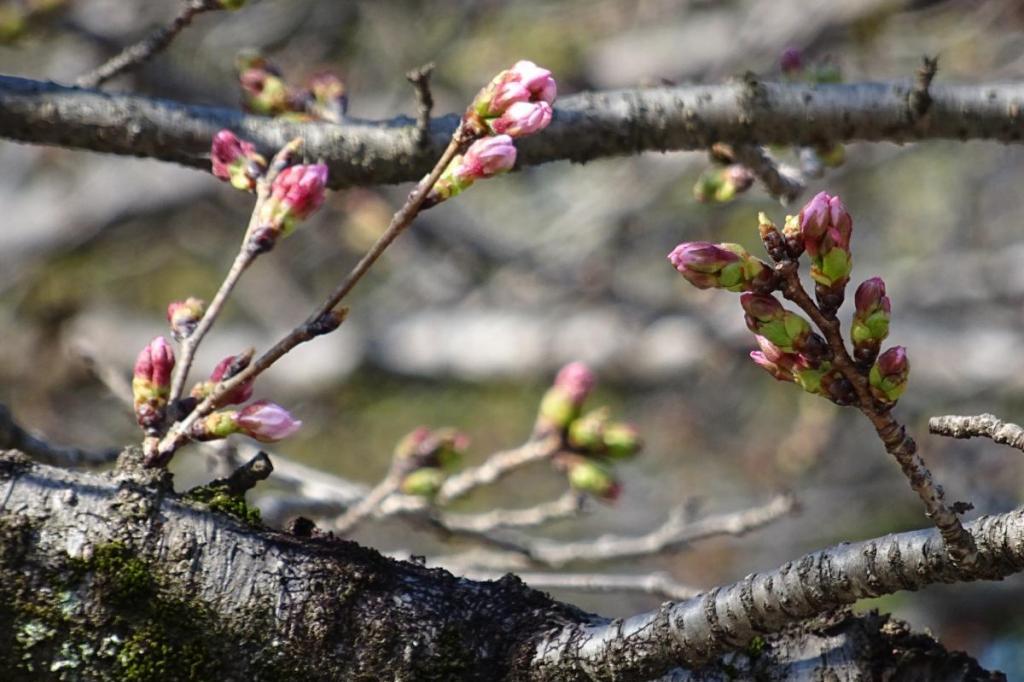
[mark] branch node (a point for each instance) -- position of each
(420, 78)
(920, 99)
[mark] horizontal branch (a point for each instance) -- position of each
(585, 126)
(655, 584)
(987, 425)
(726, 618)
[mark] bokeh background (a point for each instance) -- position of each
(468, 316)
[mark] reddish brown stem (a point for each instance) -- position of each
(959, 543)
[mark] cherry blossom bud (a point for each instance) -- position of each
(792, 62)
(621, 441)
(184, 316)
(726, 266)
(330, 98)
(296, 193)
(723, 184)
(236, 161)
(870, 319)
(422, 447)
(826, 227)
(524, 82)
(215, 426)
(587, 432)
(888, 376)
(224, 370)
(562, 402)
(266, 421)
(151, 382)
(424, 482)
(592, 477)
(264, 92)
(485, 158)
(522, 118)
(766, 317)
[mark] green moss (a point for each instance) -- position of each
(127, 578)
(218, 498)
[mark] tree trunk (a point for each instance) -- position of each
(116, 577)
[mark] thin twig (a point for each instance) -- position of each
(495, 467)
(365, 507)
(780, 185)
(420, 78)
(519, 551)
(657, 584)
(145, 49)
(987, 425)
(14, 437)
(920, 98)
(314, 325)
(567, 506)
(893, 435)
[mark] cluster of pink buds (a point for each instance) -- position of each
(265, 91)
(427, 456)
(263, 420)
(721, 266)
(516, 102)
(789, 349)
(591, 442)
(151, 383)
(183, 316)
(295, 194)
(236, 161)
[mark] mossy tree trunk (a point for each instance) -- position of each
(115, 577)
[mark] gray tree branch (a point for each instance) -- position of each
(586, 126)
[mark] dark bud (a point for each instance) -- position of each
(830, 299)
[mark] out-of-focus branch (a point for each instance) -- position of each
(495, 467)
(781, 184)
(987, 425)
(145, 49)
(586, 126)
(14, 437)
(656, 584)
(567, 506)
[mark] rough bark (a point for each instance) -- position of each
(117, 577)
(586, 126)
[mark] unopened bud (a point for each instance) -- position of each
(266, 421)
(524, 82)
(423, 482)
(296, 193)
(562, 402)
(224, 370)
(766, 317)
(151, 382)
(888, 376)
(522, 118)
(587, 432)
(870, 325)
(725, 266)
(621, 441)
(183, 316)
(589, 476)
(236, 161)
(485, 158)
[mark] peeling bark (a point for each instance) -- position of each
(585, 126)
(116, 577)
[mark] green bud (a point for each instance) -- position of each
(587, 432)
(423, 482)
(621, 441)
(589, 476)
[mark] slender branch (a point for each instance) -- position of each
(987, 425)
(14, 437)
(148, 47)
(676, 531)
(781, 185)
(693, 632)
(586, 126)
(365, 507)
(893, 435)
(317, 323)
(497, 466)
(567, 506)
(656, 584)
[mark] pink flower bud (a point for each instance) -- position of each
(825, 218)
(488, 157)
(792, 61)
(184, 316)
(266, 421)
(236, 161)
(537, 81)
(227, 368)
(522, 118)
(296, 193)
(702, 257)
(151, 382)
(155, 363)
(725, 266)
(888, 376)
(762, 307)
(870, 297)
(577, 381)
